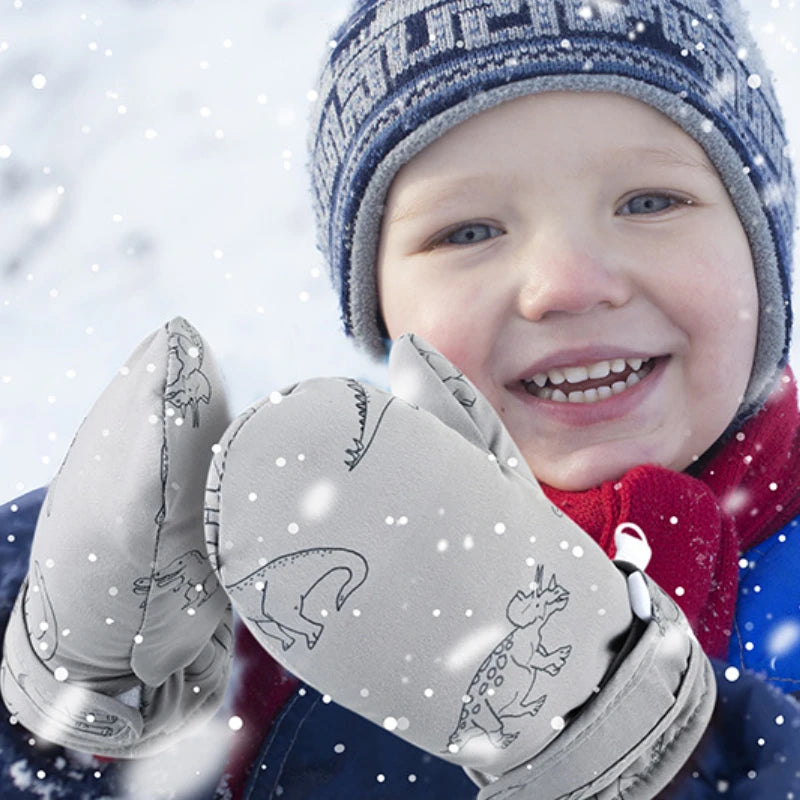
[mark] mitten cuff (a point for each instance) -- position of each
(633, 737)
(78, 716)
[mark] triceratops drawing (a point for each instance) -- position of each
(503, 687)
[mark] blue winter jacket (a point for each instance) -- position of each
(320, 751)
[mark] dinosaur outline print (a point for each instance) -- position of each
(69, 712)
(213, 489)
(190, 571)
(283, 616)
(502, 688)
(188, 386)
(362, 442)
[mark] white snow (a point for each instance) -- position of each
(181, 770)
(152, 163)
(193, 202)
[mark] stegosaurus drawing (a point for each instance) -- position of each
(368, 425)
(502, 689)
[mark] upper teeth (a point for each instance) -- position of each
(601, 369)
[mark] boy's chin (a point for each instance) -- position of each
(583, 471)
(580, 481)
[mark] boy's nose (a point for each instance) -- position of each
(570, 277)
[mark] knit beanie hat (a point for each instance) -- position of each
(400, 73)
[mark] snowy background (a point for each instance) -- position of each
(152, 163)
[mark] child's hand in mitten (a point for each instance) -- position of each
(399, 555)
(121, 634)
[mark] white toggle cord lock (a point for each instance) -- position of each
(636, 551)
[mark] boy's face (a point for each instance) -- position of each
(577, 256)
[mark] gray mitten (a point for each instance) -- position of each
(121, 635)
(396, 553)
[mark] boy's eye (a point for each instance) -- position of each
(472, 233)
(650, 204)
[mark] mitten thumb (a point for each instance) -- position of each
(422, 376)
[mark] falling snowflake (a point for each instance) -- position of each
(783, 638)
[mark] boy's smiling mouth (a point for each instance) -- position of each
(589, 383)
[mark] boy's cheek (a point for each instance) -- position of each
(722, 261)
(457, 342)
(458, 337)
(442, 320)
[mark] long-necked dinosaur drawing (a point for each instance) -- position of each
(287, 580)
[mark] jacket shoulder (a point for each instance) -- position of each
(766, 633)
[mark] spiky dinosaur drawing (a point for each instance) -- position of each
(503, 687)
(368, 424)
(287, 580)
(187, 385)
(216, 471)
(189, 572)
(211, 508)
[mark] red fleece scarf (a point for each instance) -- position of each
(698, 526)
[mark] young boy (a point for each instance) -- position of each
(563, 199)
(587, 208)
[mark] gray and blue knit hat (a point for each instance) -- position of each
(400, 73)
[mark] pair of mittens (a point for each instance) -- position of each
(121, 634)
(395, 552)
